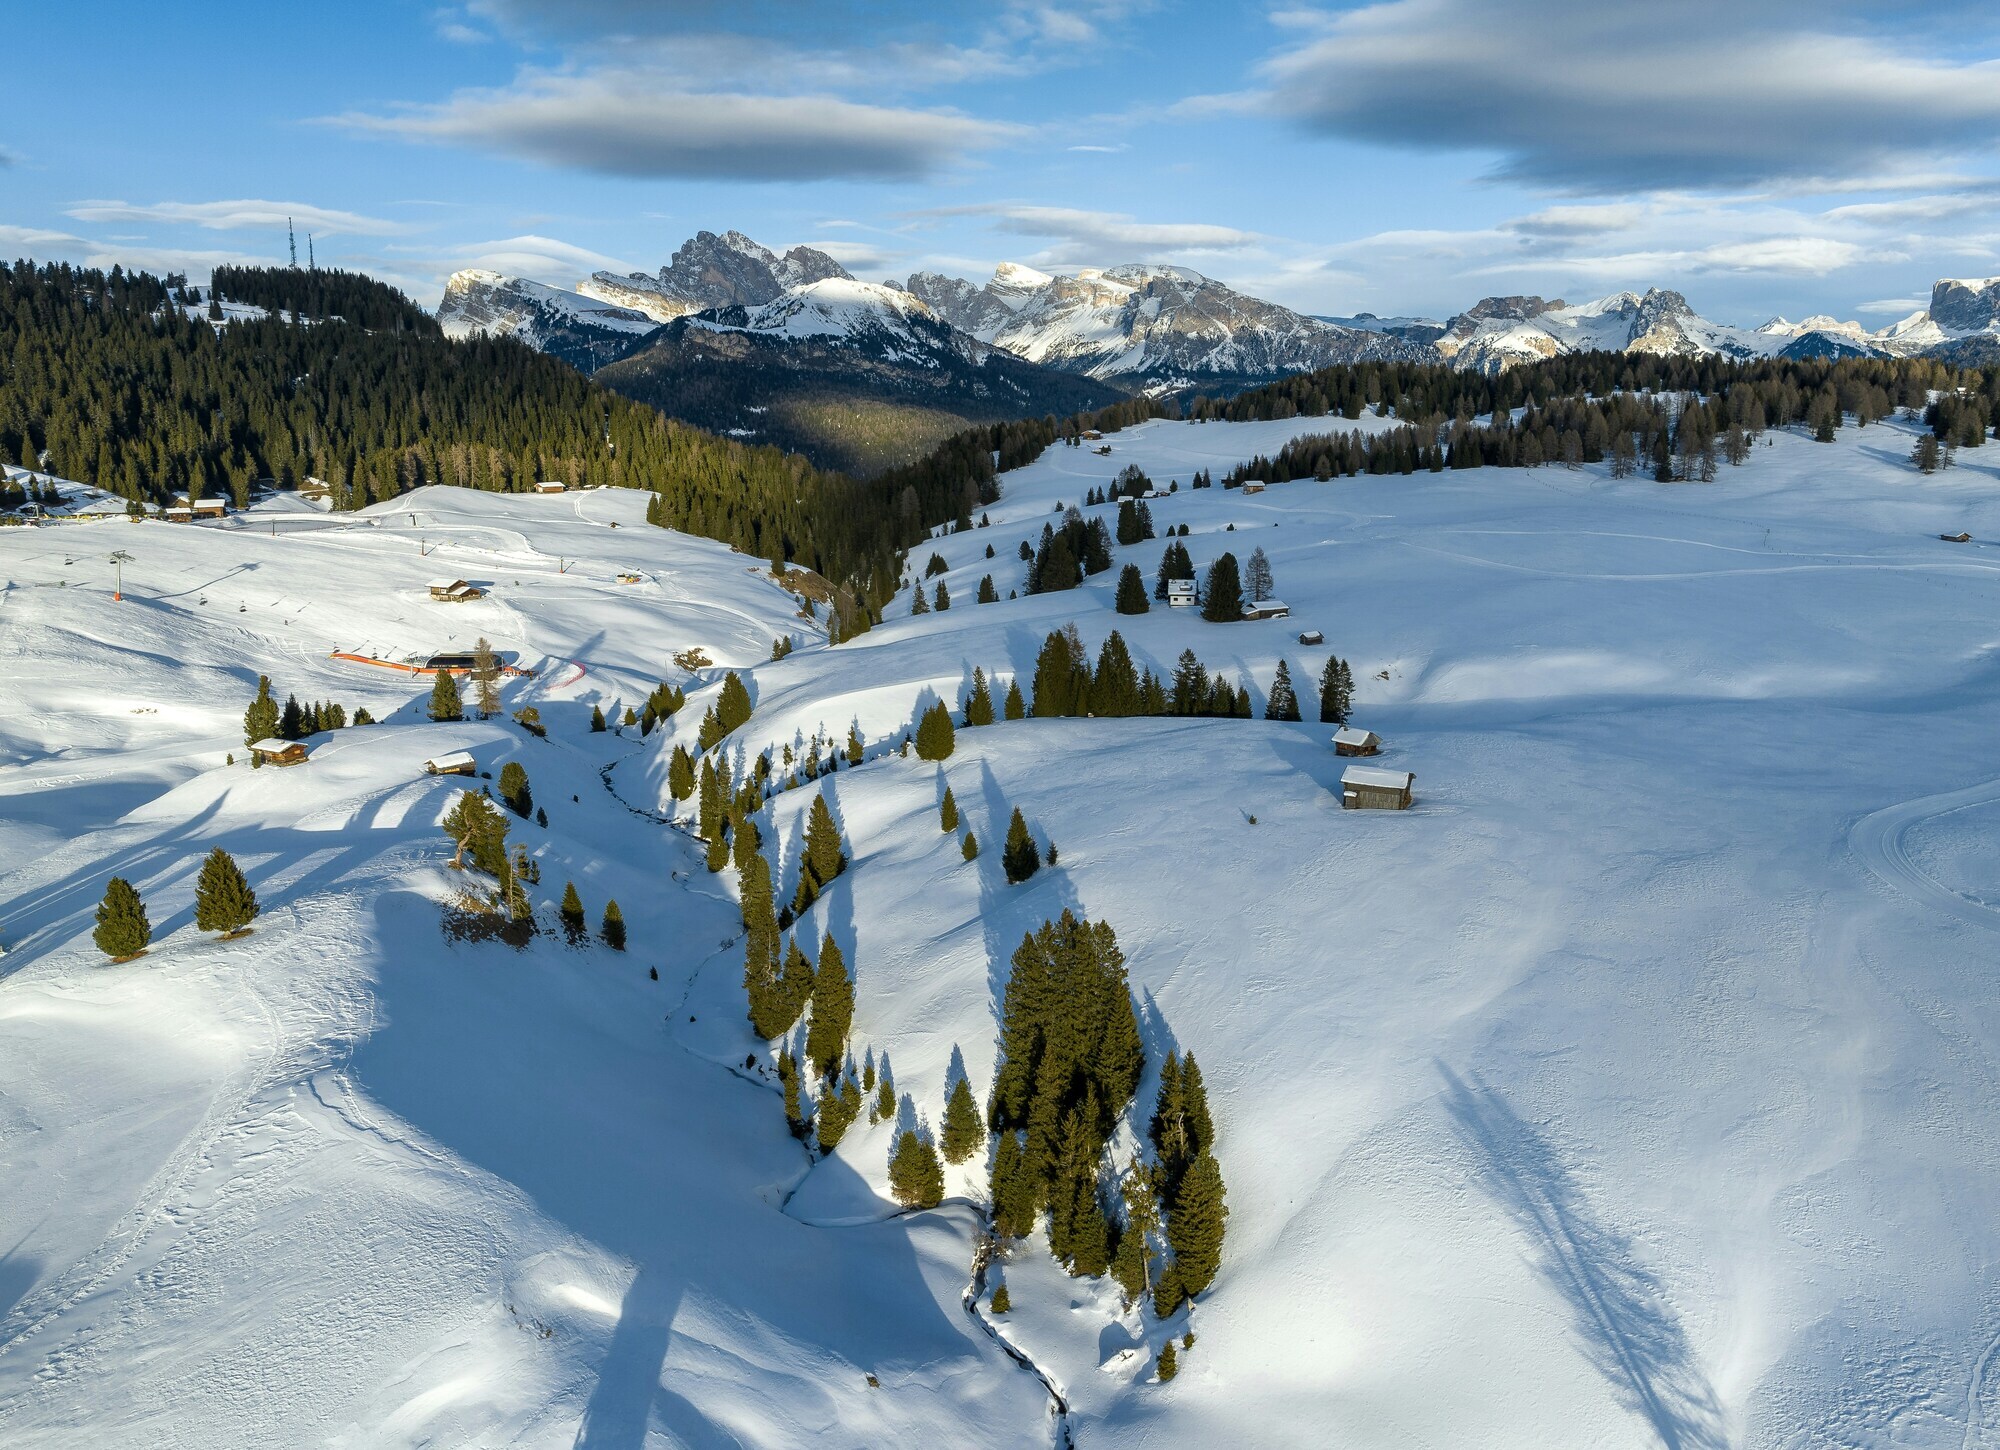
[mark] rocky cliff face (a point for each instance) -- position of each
(583, 331)
(710, 271)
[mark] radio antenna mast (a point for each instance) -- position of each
(293, 238)
(311, 264)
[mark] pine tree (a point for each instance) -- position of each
(795, 1117)
(948, 812)
(1284, 701)
(942, 601)
(1002, 1301)
(122, 929)
(969, 847)
(444, 698)
(964, 1133)
(1195, 1224)
(1015, 708)
(1020, 859)
(979, 704)
(824, 857)
(1055, 678)
(1169, 1364)
(988, 594)
(223, 900)
(613, 929)
(832, 1009)
(475, 825)
(918, 604)
(260, 721)
(514, 789)
(571, 915)
(916, 1179)
(1222, 600)
(838, 1105)
(486, 679)
(597, 725)
(732, 706)
(680, 773)
(855, 745)
(1114, 687)
(292, 721)
(1335, 692)
(935, 736)
(1132, 591)
(708, 808)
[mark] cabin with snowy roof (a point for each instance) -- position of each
(456, 762)
(279, 752)
(1266, 609)
(1367, 788)
(551, 485)
(455, 591)
(1180, 593)
(1352, 740)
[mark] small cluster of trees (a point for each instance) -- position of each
(664, 701)
(1066, 683)
(730, 710)
(264, 720)
(1066, 556)
(223, 902)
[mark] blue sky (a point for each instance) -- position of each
(1409, 156)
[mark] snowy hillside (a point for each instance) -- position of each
(853, 314)
(1636, 1088)
(579, 329)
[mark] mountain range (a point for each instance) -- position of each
(793, 349)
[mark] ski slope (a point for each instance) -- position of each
(1640, 1087)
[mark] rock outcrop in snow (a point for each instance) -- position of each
(710, 271)
(583, 331)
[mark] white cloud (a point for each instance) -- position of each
(621, 123)
(239, 215)
(1104, 237)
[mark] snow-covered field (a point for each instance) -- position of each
(1640, 1087)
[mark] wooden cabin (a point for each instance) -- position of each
(551, 485)
(457, 762)
(1266, 609)
(1311, 636)
(1253, 485)
(210, 508)
(1956, 538)
(455, 591)
(178, 513)
(1368, 788)
(1180, 593)
(279, 752)
(1351, 740)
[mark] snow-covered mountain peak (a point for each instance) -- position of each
(830, 307)
(1014, 276)
(709, 271)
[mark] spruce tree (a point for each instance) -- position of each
(1002, 1301)
(1195, 1224)
(916, 1178)
(732, 706)
(514, 789)
(838, 1105)
(475, 825)
(571, 915)
(935, 736)
(597, 725)
(942, 600)
(1020, 859)
(855, 745)
(824, 857)
(260, 721)
(708, 809)
(486, 679)
(1015, 707)
(122, 931)
(988, 594)
(1258, 576)
(444, 698)
(1333, 693)
(1284, 701)
(832, 1009)
(680, 773)
(948, 812)
(979, 704)
(1169, 1364)
(964, 1133)
(613, 929)
(795, 1116)
(1222, 599)
(292, 720)
(223, 900)
(1114, 688)
(1132, 591)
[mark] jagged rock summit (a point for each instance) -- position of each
(710, 271)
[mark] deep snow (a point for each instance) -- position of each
(1637, 1088)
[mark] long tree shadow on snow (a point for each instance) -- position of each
(1628, 1329)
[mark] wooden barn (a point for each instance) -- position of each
(279, 752)
(1266, 609)
(1368, 788)
(210, 508)
(1960, 538)
(1253, 485)
(457, 762)
(1311, 636)
(455, 591)
(1352, 740)
(551, 485)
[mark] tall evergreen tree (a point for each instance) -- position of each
(916, 1179)
(1015, 708)
(476, 826)
(948, 812)
(839, 1104)
(1114, 687)
(1222, 599)
(613, 928)
(979, 704)
(1019, 859)
(708, 808)
(1336, 692)
(824, 856)
(732, 706)
(445, 704)
(1283, 703)
(570, 913)
(1131, 591)
(1258, 576)
(935, 736)
(964, 1131)
(1195, 1224)
(260, 721)
(832, 1009)
(486, 679)
(223, 900)
(292, 720)
(122, 931)
(514, 789)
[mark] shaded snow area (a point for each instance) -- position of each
(1639, 1087)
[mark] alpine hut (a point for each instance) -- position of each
(1367, 788)
(454, 591)
(456, 762)
(279, 752)
(1350, 740)
(551, 485)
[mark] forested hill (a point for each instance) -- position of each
(322, 293)
(104, 379)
